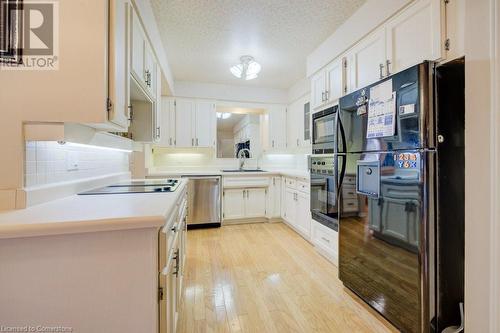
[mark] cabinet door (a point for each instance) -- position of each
(415, 35)
(158, 106)
(293, 124)
(167, 122)
(137, 48)
(318, 87)
(150, 70)
(274, 198)
(335, 78)
(366, 60)
(277, 127)
(303, 217)
(255, 203)
(118, 63)
(204, 131)
(290, 206)
(184, 116)
(234, 203)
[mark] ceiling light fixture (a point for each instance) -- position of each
(223, 115)
(248, 69)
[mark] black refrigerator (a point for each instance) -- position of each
(402, 251)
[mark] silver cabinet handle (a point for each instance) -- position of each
(148, 78)
(274, 181)
(323, 96)
(387, 64)
(325, 239)
(197, 141)
(381, 69)
(273, 144)
(297, 142)
(243, 194)
(158, 132)
(327, 95)
(192, 141)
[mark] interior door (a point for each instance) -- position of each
(368, 60)
(205, 112)
(415, 35)
(255, 203)
(234, 203)
(184, 115)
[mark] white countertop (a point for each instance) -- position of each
(89, 213)
(219, 172)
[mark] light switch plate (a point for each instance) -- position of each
(72, 161)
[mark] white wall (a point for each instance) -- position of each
(230, 92)
(46, 162)
(482, 153)
(300, 89)
(361, 23)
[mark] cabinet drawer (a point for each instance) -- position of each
(246, 182)
(349, 192)
(302, 186)
(350, 179)
(325, 238)
(291, 183)
(350, 205)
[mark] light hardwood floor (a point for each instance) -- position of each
(266, 278)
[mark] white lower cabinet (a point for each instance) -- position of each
(326, 241)
(244, 203)
(274, 198)
(234, 204)
(297, 206)
(255, 203)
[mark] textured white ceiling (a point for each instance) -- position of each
(203, 38)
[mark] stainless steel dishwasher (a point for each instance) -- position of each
(204, 201)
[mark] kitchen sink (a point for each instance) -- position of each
(244, 170)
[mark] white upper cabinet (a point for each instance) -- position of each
(184, 118)
(167, 122)
(276, 129)
(329, 84)
(318, 88)
(143, 63)
(204, 124)
(118, 63)
(415, 35)
(137, 45)
(195, 123)
(298, 123)
(412, 36)
(366, 61)
(335, 79)
(150, 74)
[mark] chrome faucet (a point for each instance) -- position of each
(242, 157)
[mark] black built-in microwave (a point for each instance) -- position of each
(323, 126)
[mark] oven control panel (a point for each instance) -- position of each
(323, 164)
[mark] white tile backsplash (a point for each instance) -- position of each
(47, 162)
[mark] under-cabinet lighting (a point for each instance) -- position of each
(73, 144)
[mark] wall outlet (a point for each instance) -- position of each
(71, 161)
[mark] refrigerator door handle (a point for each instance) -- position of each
(342, 173)
(342, 134)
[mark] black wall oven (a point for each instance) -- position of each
(324, 190)
(323, 126)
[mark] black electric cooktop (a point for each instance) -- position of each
(137, 186)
